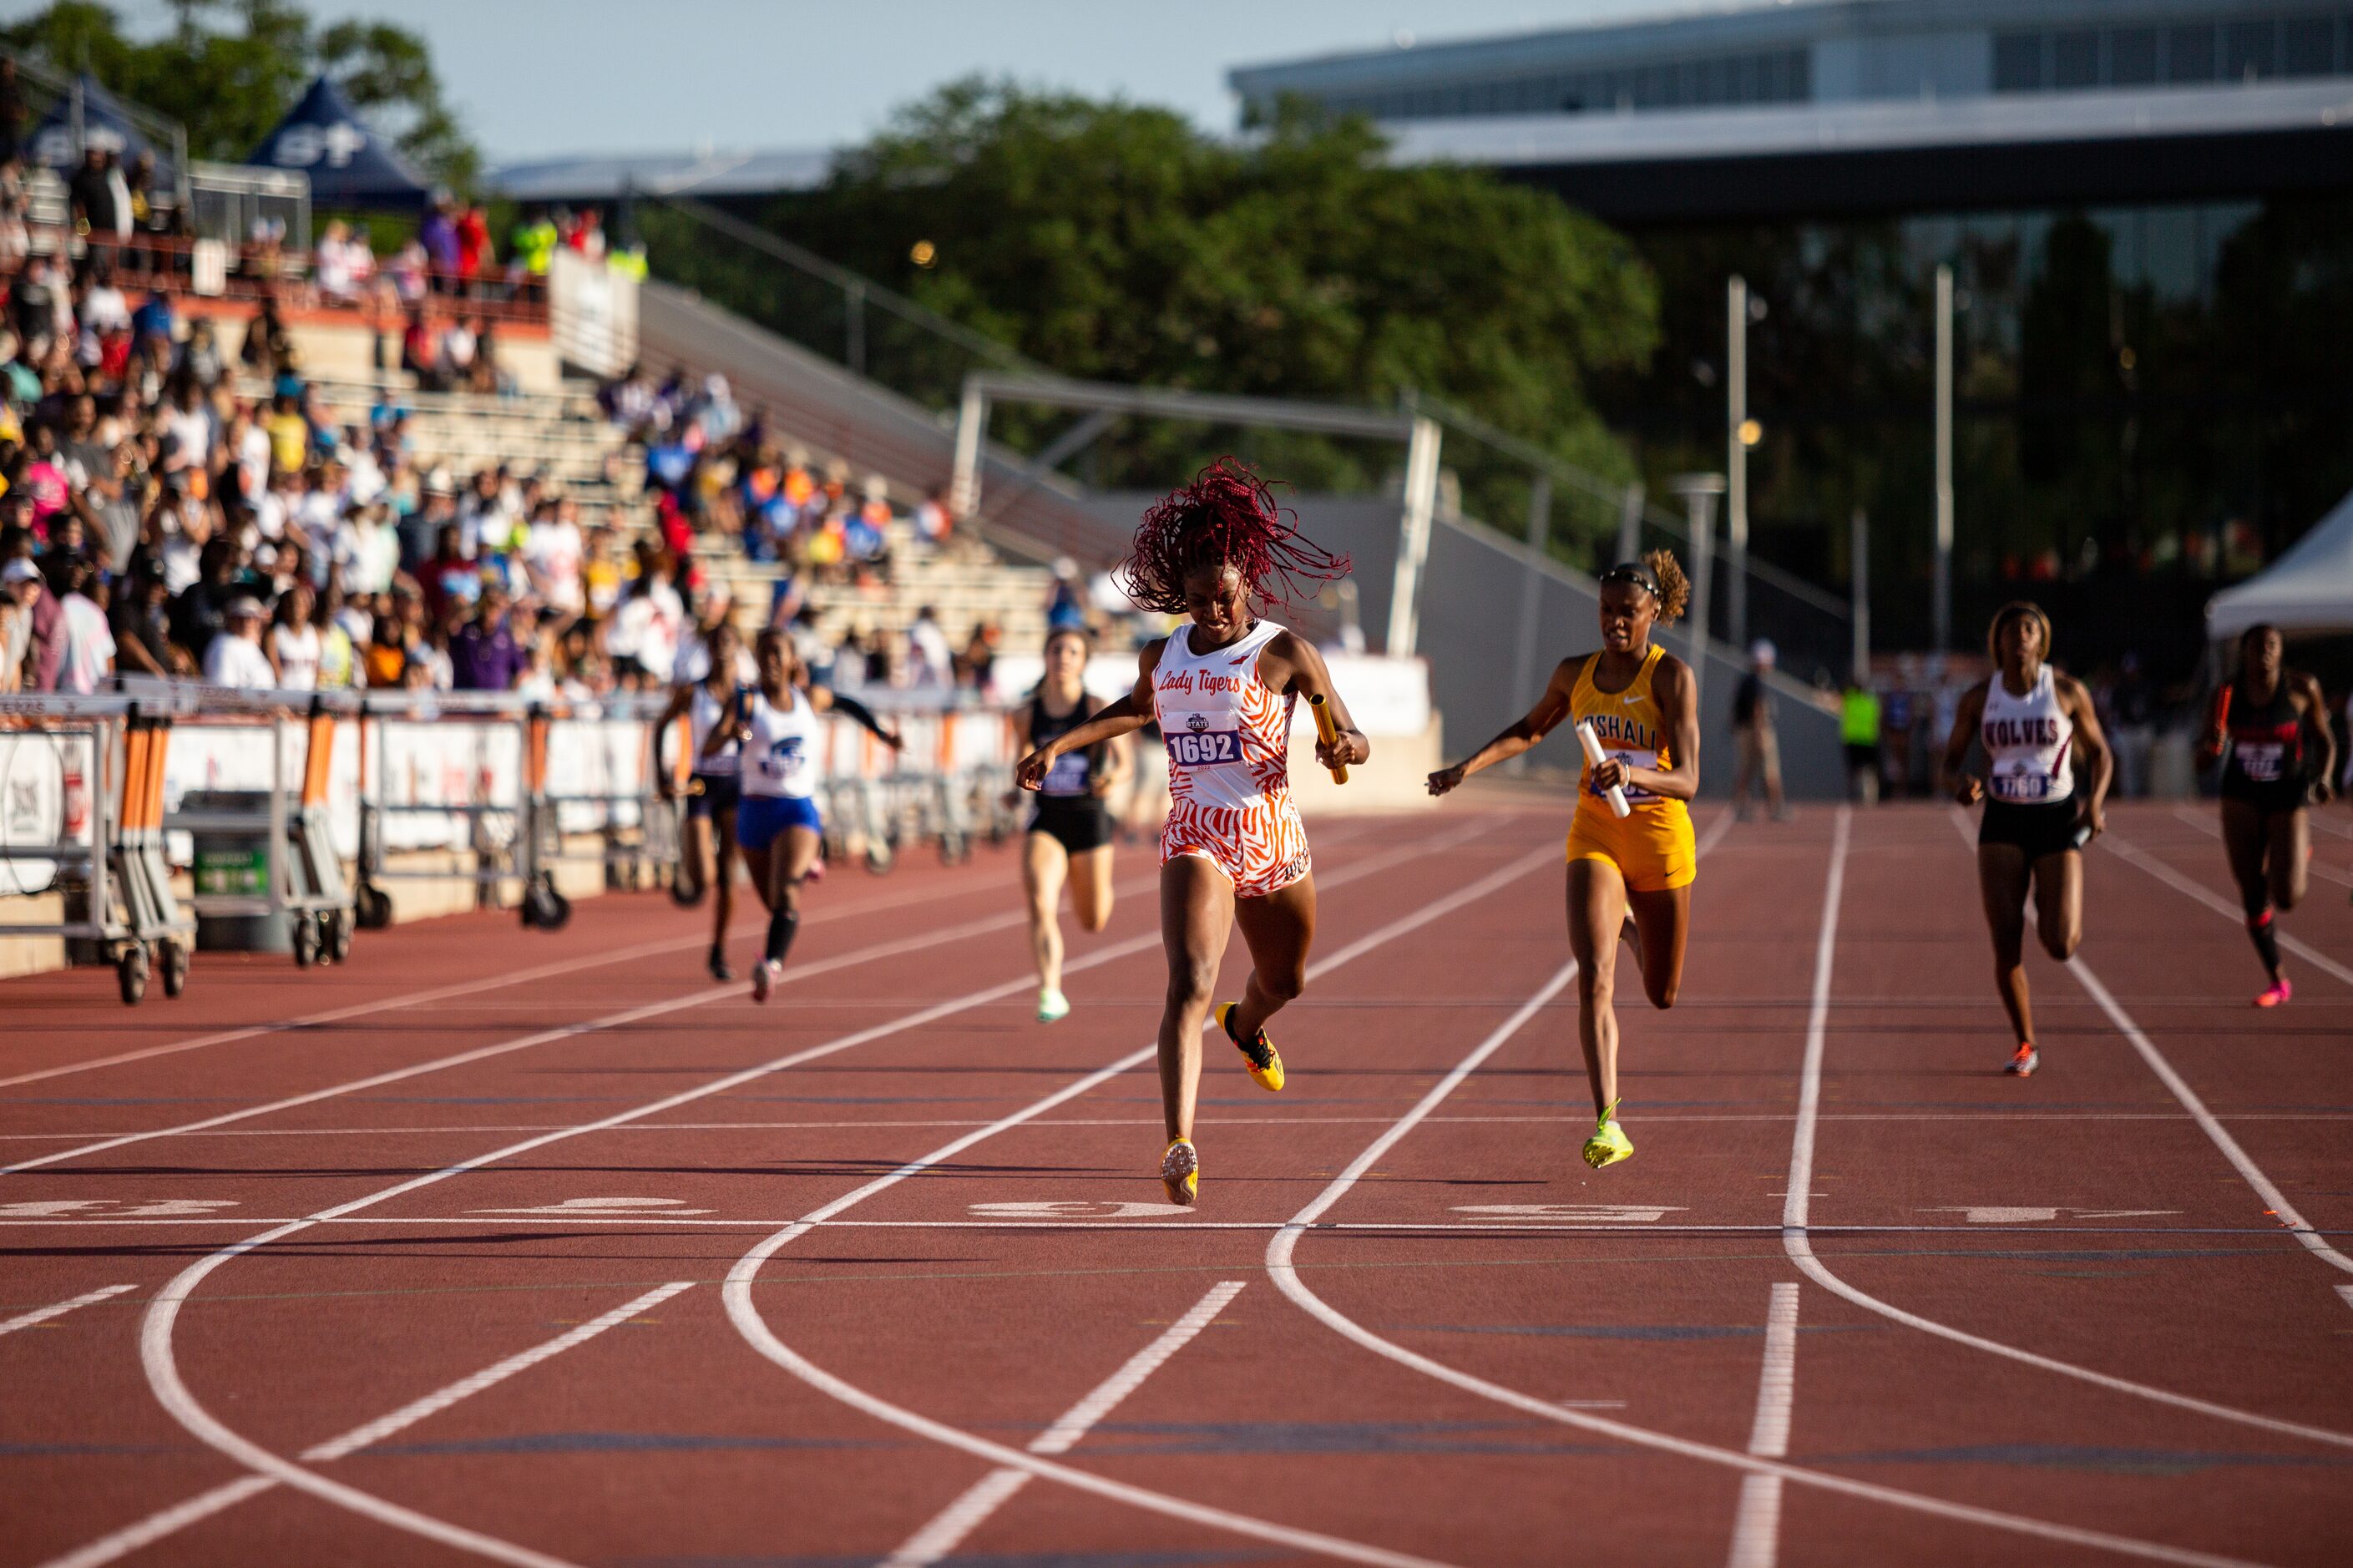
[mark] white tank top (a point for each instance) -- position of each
(2029, 741)
(1228, 736)
(703, 712)
(780, 759)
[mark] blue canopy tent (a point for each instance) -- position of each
(350, 165)
(87, 115)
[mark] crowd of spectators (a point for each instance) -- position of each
(719, 478)
(160, 520)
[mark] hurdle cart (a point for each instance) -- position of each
(101, 761)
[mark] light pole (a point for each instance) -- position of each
(1737, 440)
(1943, 612)
(1699, 492)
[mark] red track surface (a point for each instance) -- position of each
(1474, 1351)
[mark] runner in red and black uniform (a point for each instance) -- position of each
(2269, 776)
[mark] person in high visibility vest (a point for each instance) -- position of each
(531, 243)
(1858, 732)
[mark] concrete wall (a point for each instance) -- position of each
(1472, 591)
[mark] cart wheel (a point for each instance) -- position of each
(954, 850)
(686, 887)
(545, 908)
(304, 929)
(338, 934)
(878, 857)
(131, 972)
(373, 906)
(175, 966)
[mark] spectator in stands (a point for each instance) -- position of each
(200, 611)
(200, 357)
(268, 347)
(976, 666)
(450, 581)
(294, 644)
(100, 197)
(420, 531)
(485, 654)
(333, 265)
(551, 554)
(87, 659)
(386, 659)
(141, 619)
(932, 521)
(929, 661)
(39, 635)
(1066, 605)
(438, 233)
(234, 658)
(474, 257)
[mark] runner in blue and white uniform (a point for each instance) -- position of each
(775, 727)
(703, 698)
(2036, 726)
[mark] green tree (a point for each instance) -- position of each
(1116, 242)
(228, 69)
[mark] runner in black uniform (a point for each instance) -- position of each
(2269, 775)
(1070, 830)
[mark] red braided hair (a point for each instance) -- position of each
(1226, 517)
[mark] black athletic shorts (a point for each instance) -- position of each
(1078, 825)
(720, 792)
(2270, 796)
(2047, 827)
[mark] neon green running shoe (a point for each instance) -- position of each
(1609, 1144)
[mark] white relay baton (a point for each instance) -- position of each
(1592, 744)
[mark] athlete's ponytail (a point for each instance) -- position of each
(1674, 589)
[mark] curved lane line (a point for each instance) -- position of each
(2132, 854)
(160, 1362)
(745, 1314)
(1797, 1241)
(1280, 1265)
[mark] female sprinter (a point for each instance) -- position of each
(2267, 777)
(1070, 831)
(1629, 875)
(2033, 722)
(1223, 688)
(776, 824)
(712, 788)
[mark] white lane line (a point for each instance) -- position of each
(947, 1531)
(584, 1223)
(156, 1526)
(1757, 1525)
(1798, 1242)
(2317, 866)
(745, 1314)
(2207, 1122)
(205, 1505)
(161, 1364)
(410, 999)
(894, 948)
(2251, 1173)
(59, 1310)
(2219, 905)
(383, 1427)
(1280, 1265)
(2346, 1292)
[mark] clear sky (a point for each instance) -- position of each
(539, 78)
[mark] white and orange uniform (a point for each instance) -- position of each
(1229, 783)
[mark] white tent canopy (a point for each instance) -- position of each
(2309, 589)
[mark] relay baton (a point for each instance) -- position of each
(1592, 744)
(1330, 735)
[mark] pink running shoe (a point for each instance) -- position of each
(2280, 991)
(764, 978)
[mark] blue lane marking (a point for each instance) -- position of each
(2077, 1456)
(617, 1443)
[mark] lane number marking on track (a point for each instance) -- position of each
(1578, 1214)
(112, 1209)
(1075, 1208)
(665, 1208)
(1985, 1214)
